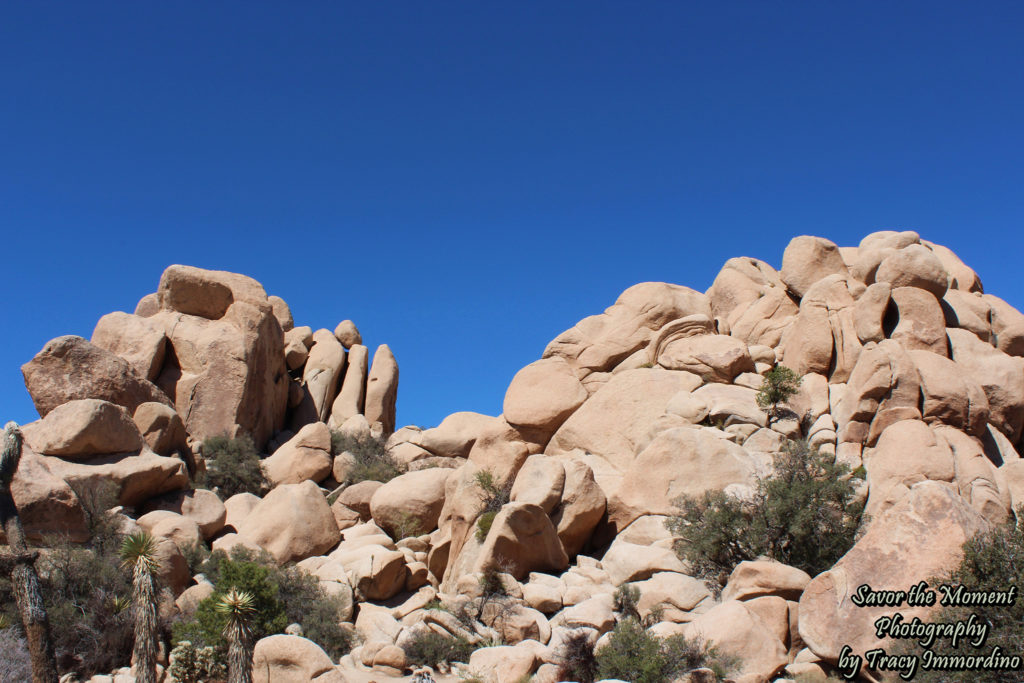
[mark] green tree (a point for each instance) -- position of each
(233, 466)
(804, 514)
(138, 555)
(237, 607)
(777, 387)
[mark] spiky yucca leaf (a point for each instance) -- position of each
(238, 605)
(239, 608)
(139, 549)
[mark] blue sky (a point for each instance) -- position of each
(467, 180)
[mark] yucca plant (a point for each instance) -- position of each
(238, 606)
(138, 555)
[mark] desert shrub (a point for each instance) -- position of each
(373, 462)
(576, 658)
(281, 596)
(494, 496)
(634, 654)
(428, 648)
(85, 592)
(15, 663)
(804, 514)
(626, 600)
(232, 467)
(993, 561)
(406, 526)
(191, 664)
(778, 386)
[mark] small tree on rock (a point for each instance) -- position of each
(778, 386)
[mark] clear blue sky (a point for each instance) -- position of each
(467, 180)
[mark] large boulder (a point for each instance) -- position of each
(351, 399)
(712, 357)
(908, 452)
(950, 395)
(823, 339)
(580, 508)
(323, 371)
(46, 503)
(455, 436)
(740, 282)
(521, 540)
(543, 395)
(83, 428)
(292, 522)
(679, 462)
(1001, 378)
(307, 455)
(740, 632)
(916, 320)
(756, 578)
(914, 266)
(807, 260)
(382, 389)
(598, 343)
(374, 571)
(884, 388)
(201, 506)
(70, 368)
(410, 502)
(288, 659)
(162, 429)
(617, 420)
(920, 537)
(138, 340)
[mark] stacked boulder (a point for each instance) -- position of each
(909, 373)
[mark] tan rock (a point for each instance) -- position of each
(807, 260)
(148, 305)
(201, 506)
(626, 562)
(730, 404)
(351, 399)
(542, 597)
(581, 507)
(960, 275)
(292, 522)
(375, 572)
(543, 395)
(162, 429)
(46, 503)
(348, 334)
(522, 539)
(869, 312)
(740, 282)
(501, 451)
(382, 389)
(712, 357)
(677, 596)
(358, 496)
(680, 461)
(456, 524)
(907, 453)
(295, 353)
(188, 602)
(920, 323)
(540, 481)
(884, 388)
(922, 536)
(135, 478)
(950, 395)
(977, 479)
(288, 659)
(596, 612)
(410, 503)
(598, 343)
(206, 293)
(307, 455)
(138, 340)
(172, 569)
(83, 428)
(1007, 326)
(503, 663)
(968, 311)
(282, 312)
(914, 266)
(618, 418)
(823, 338)
(999, 376)
(763, 322)
(456, 434)
(182, 530)
(753, 579)
(323, 371)
(737, 631)
(238, 507)
(70, 368)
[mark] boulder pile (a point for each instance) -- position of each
(911, 374)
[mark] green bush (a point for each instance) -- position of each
(634, 654)
(778, 386)
(232, 467)
(373, 462)
(804, 514)
(193, 664)
(483, 525)
(281, 596)
(626, 601)
(428, 648)
(494, 498)
(992, 561)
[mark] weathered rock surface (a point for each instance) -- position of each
(543, 395)
(307, 455)
(410, 502)
(138, 340)
(83, 428)
(288, 659)
(292, 522)
(382, 389)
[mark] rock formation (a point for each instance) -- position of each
(909, 371)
